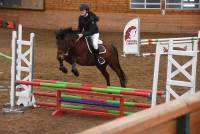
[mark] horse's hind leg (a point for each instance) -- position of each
(104, 72)
(120, 74)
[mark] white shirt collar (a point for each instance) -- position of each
(86, 15)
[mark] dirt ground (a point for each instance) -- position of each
(139, 71)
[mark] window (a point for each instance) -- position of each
(23, 4)
(169, 4)
(182, 4)
(153, 4)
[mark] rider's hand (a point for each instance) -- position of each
(80, 35)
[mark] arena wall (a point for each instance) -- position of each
(113, 14)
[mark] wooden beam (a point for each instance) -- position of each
(150, 118)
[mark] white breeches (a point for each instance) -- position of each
(95, 39)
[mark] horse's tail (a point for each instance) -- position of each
(118, 68)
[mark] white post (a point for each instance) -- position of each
(13, 71)
(32, 42)
(155, 76)
(19, 50)
(25, 97)
(169, 69)
(194, 66)
(19, 32)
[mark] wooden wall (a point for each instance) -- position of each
(114, 14)
(96, 5)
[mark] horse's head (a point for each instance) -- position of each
(65, 39)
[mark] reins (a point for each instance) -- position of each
(77, 40)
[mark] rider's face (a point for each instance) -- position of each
(83, 13)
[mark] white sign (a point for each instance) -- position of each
(131, 37)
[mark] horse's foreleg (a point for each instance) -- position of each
(62, 68)
(74, 69)
(106, 75)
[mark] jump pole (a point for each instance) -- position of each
(126, 103)
(98, 86)
(103, 90)
(5, 56)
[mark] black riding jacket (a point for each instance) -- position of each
(88, 25)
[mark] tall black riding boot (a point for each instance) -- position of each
(96, 56)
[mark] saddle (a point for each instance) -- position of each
(102, 49)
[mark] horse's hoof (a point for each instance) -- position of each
(75, 72)
(63, 69)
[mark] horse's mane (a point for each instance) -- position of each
(62, 32)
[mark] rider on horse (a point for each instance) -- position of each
(88, 27)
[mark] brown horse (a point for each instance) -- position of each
(74, 50)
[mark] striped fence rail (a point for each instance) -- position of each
(77, 86)
(166, 40)
(99, 86)
(75, 97)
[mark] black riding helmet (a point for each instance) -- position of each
(84, 6)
